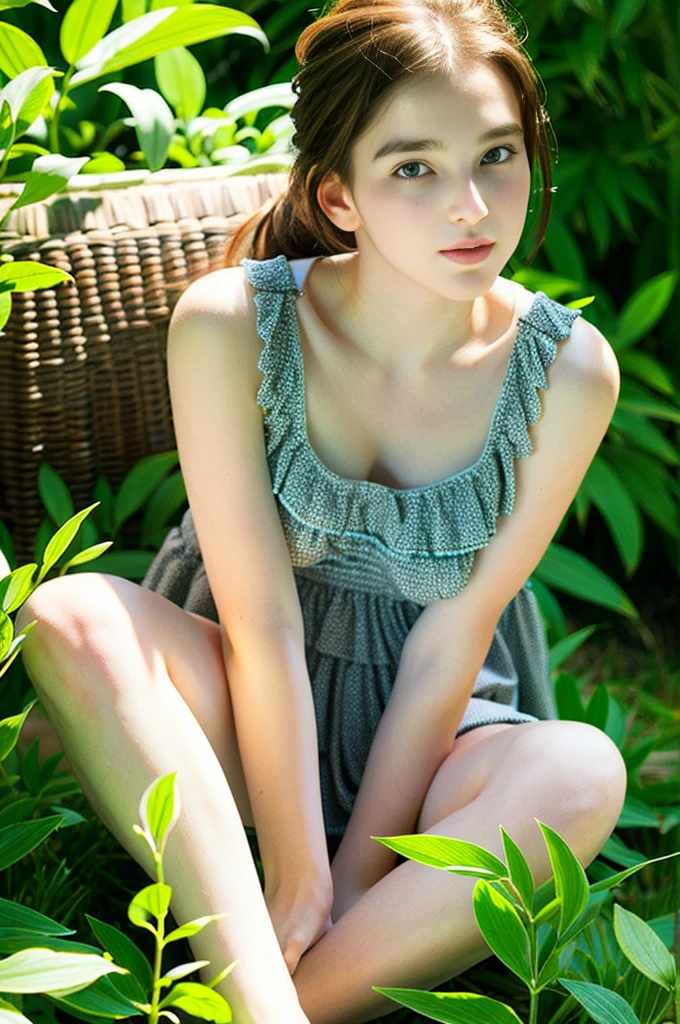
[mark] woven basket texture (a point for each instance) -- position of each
(83, 382)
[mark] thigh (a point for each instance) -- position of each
(137, 637)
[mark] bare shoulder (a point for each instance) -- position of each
(219, 293)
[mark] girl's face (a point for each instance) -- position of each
(409, 205)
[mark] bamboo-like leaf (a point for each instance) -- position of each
(603, 1005)
(60, 541)
(154, 122)
(644, 309)
(48, 175)
(520, 872)
(452, 1007)
(571, 883)
(159, 808)
(42, 970)
(10, 729)
(123, 950)
(19, 839)
(18, 51)
(609, 493)
(181, 81)
(644, 948)
(142, 38)
(199, 1001)
(83, 25)
(29, 275)
(566, 570)
(502, 928)
(455, 855)
(185, 931)
(645, 435)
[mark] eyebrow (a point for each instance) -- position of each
(416, 145)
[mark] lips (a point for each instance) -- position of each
(476, 244)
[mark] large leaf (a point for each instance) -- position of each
(18, 51)
(502, 928)
(29, 275)
(141, 482)
(154, 122)
(10, 729)
(123, 950)
(27, 94)
(150, 903)
(644, 948)
(42, 970)
(14, 916)
(199, 1001)
(49, 174)
(181, 80)
(644, 309)
(152, 33)
(520, 872)
(101, 1001)
(609, 493)
(603, 1005)
(452, 1007)
(83, 25)
(455, 855)
(571, 883)
(19, 839)
(566, 570)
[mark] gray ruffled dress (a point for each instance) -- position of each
(368, 558)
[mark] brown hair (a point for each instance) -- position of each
(349, 59)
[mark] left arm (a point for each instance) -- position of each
(449, 642)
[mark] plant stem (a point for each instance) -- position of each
(160, 933)
(54, 123)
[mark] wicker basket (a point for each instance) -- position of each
(83, 380)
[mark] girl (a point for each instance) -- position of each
(340, 640)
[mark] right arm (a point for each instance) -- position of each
(220, 440)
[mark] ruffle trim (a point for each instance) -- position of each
(323, 500)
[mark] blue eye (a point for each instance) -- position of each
(416, 163)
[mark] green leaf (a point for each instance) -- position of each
(644, 309)
(502, 928)
(571, 883)
(167, 499)
(88, 555)
(100, 1001)
(6, 635)
(18, 840)
(455, 855)
(42, 970)
(520, 872)
(5, 302)
(199, 1001)
(185, 931)
(149, 904)
(27, 94)
(83, 25)
(54, 493)
(181, 81)
(154, 121)
(132, 565)
(103, 163)
(10, 729)
(181, 971)
(648, 369)
(159, 809)
(140, 483)
(636, 398)
(452, 1007)
(620, 876)
(645, 435)
(13, 915)
(563, 649)
(10, 1015)
(609, 493)
(566, 570)
(48, 175)
(58, 544)
(651, 485)
(150, 34)
(29, 275)
(18, 51)
(644, 948)
(603, 1005)
(123, 950)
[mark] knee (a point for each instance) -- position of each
(582, 768)
(72, 615)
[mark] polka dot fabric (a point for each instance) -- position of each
(367, 558)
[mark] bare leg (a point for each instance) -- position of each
(416, 928)
(101, 659)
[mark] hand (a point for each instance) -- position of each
(301, 916)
